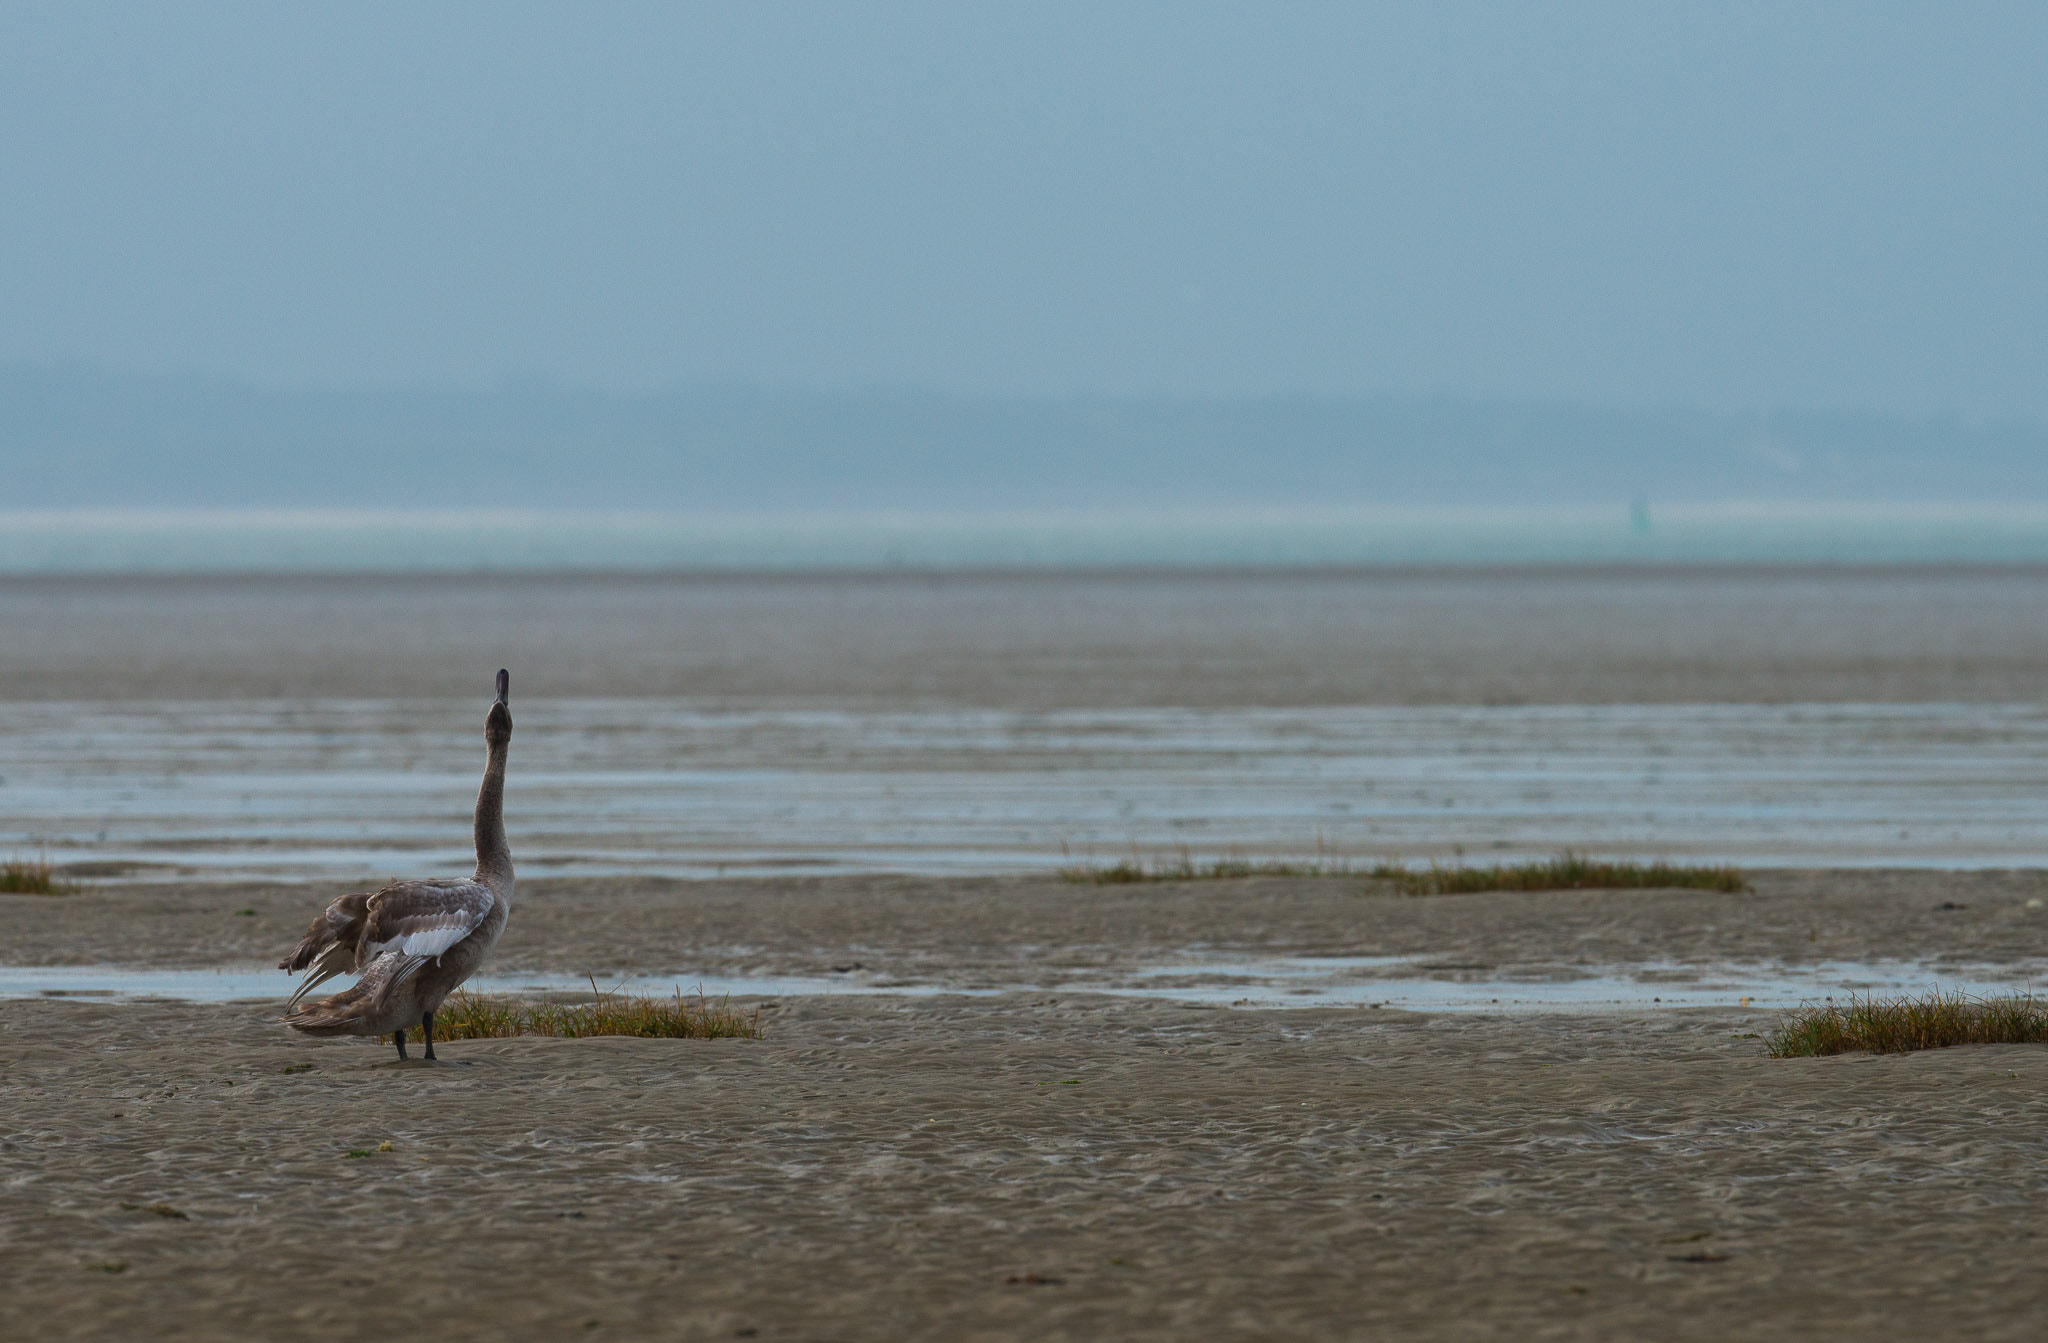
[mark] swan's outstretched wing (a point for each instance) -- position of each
(415, 921)
(422, 919)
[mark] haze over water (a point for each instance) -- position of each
(445, 541)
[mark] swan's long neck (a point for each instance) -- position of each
(493, 852)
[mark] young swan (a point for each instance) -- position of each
(413, 941)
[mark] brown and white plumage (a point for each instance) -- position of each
(416, 920)
(329, 947)
(412, 942)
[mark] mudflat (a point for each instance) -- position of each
(1035, 640)
(1018, 931)
(1037, 1162)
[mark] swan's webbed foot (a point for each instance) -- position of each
(398, 1038)
(427, 1032)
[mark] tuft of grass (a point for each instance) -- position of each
(474, 1016)
(1185, 868)
(1896, 1025)
(21, 877)
(1567, 872)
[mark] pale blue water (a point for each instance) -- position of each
(357, 789)
(1383, 982)
(444, 541)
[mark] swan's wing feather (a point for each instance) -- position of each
(340, 924)
(408, 966)
(422, 919)
(381, 974)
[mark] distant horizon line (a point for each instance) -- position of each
(1733, 509)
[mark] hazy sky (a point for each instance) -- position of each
(1829, 206)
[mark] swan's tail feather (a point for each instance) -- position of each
(364, 1008)
(343, 1014)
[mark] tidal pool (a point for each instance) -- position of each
(362, 790)
(1369, 982)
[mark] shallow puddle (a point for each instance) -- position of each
(1382, 982)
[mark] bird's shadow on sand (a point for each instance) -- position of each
(394, 1064)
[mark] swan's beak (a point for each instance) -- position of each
(504, 687)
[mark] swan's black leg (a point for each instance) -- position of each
(427, 1030)
(398, 1036)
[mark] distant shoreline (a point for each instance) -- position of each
(1026, 575)
(1622, 535)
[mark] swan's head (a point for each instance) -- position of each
(498, 725)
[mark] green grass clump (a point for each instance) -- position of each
(1131, 870)
(1896, 1025)
(1566, 872)
(474, 1016)
(20, 877)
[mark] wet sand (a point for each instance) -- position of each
(1002, 932)
(1033, 1164)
